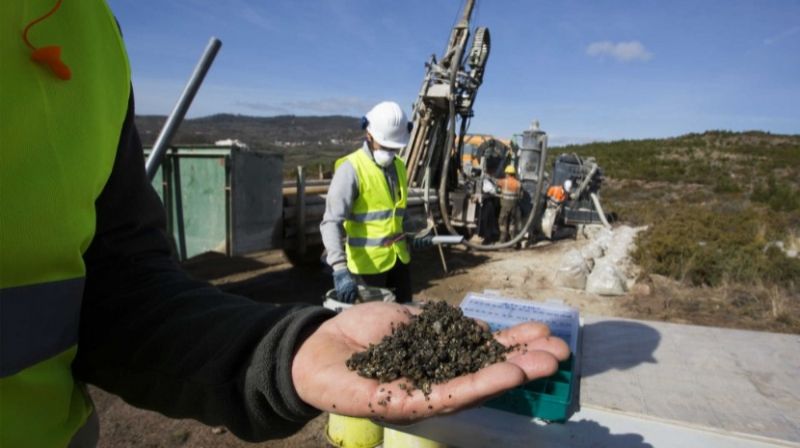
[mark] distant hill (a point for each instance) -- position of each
(299, 139)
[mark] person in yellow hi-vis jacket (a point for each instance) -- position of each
(89, 293)
(362, 228)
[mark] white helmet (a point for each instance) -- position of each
(568, 184)
(388, 125)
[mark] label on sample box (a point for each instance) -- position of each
(502, 312)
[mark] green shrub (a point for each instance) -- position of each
(724, 184)
(779, 196)
(709, 246)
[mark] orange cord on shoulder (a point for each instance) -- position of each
(35, 21)
(50, 55)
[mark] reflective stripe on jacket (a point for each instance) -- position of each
(59, 139)
(375, 237)
(509, 187)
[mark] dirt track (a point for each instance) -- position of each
(524, 274)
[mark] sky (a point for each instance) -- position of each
(587, 70)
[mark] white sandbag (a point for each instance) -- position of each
(589, 231)
(603, 238)
(605, 279)
(573, 271)
(621, 243)
(592, 252)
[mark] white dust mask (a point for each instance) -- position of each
(383, 157)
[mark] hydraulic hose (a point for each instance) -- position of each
(599, 208)
(443, 188)
(586, 180)
(454, 66)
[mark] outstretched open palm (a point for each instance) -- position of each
(323, 380)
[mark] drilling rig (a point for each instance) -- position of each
(454, 192)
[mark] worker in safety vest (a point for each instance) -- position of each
(552, 218)
(362, 228)
(89, 293)
(509, 188)
(559, 194)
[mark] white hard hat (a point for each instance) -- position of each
(388, 125)
(568, 184)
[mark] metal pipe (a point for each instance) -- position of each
(599, 209)
(586, 180)
(176, 172)
(300, 210)
(467, 13)
(179, 111)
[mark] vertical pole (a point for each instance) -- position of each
(166, 179)
(300, 210)
(228, 205)
(176, 171)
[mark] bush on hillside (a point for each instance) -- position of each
(779, 196)
(709, 246)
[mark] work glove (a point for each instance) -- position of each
(422, 242)
(346, 286)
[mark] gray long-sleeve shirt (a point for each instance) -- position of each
(339, 204)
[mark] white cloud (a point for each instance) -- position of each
(325, 106)
(564, 140)
(621, 51)
(781, 36)
(251, 15)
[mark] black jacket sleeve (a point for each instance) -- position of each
(165, 342)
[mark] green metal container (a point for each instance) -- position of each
(225, 199)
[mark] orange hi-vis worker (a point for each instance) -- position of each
(509, 186)
(557, 193)
(509, 193)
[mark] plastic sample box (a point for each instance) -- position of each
(549, 399)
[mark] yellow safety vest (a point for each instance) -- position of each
(375, 237)
(58, 140)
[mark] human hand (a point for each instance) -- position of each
(322, 379)
(346, 286)
(421, 242)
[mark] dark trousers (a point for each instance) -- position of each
(487, 224)
(507, 209)
(398, 278)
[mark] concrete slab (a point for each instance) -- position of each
(731, 380)
(589, 428)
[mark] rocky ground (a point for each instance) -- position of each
(527, 274)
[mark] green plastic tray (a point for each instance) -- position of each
(547, 399)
